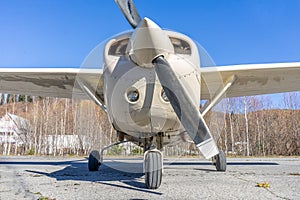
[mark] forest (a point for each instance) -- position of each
(245, 126)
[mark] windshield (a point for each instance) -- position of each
(95, 59)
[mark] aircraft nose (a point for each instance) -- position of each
(147, 43)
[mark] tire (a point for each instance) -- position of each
(94, 161)
(153, 170)
(221, 162)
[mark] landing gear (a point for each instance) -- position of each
(96, 158)
(94, 161)
(153, 167)
(220, 161)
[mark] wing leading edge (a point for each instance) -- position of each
(251, 79)
(51, 82)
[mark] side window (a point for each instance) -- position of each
(118, 48)
(181, 46)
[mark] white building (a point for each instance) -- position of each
(67, 142)
(13, 130)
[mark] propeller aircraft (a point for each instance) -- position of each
(150, 82)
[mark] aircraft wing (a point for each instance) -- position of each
(251, 79)
(50, 82)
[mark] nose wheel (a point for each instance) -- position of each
(153, 165)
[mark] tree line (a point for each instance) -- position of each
(246, 126)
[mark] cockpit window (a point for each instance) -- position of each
(118, 48)
(181, 46)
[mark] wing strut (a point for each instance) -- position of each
(218, 96)
(89, 91)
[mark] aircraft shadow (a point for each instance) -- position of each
(110, 172)
(128, 174)
(228, 163)
(172, 165)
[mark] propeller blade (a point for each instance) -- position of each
(186, 111)
(130, 12)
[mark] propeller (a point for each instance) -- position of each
(130, 12)
(186, 111)
(151, 46)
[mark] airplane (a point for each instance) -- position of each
(150, 82)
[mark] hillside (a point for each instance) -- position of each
(267, 132)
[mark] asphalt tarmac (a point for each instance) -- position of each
(69, 178)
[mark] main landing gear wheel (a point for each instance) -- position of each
(220, 161)
(153, 169)
(94, 161)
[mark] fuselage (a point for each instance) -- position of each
(134, 97)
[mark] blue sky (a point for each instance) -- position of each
(60, 33)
